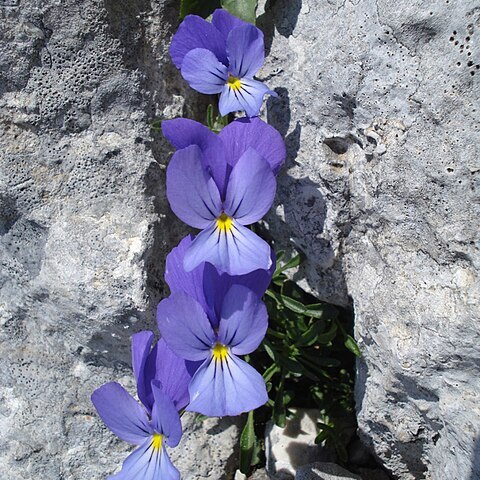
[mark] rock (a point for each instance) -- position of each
(288, 448)
(84, 227)
(379, 104)
(372, 474)
(324, 471)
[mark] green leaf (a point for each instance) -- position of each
(293, 365)
(351, 344)
(244, 9)
(280, 254)
(293, 262)
(279, 413)
(248, 441)
(204, 8)
(210, 116)
(293, 305)
(156, 125)
(327, 337)
(270, 372)
(321, 310)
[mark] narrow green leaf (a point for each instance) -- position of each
(270, 372)
(244, 9)
(321, 310)
(279, 413)
(293, 262)
(351, 344)
(210, 116)
(292, 304)
(269, 350)
(327, 337)
(293, 365)
(204, 8)
(247, 444)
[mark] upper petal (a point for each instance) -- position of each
(171, 372)
(141, 345)
(245, 51)
(250, 189)
(195, 32)
(216, 284)
(185, 327)
(203, 72)
(243, 133)
(244, 320)
(191, 191)
(225, 22)
(178, 279)
(165, 418)
(227, 387)
(183, 132)
(121, 413)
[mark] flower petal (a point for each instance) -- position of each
(203, 72)
(191, 191)
(248, 97)
(217, 284)
(165, 418)
(182, 132)
(185, 326)
(236, 252)
(172, 372)
(195, 32)
(227, 387)
(250, 189)
(245, 51)
(141, 345)
(121, 413)
(147, 463)
(167, 470)
(178, 279)
(243, 133)
(225, 22)
(244, 320)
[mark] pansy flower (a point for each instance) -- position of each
(214, 318)
(162, 380)
(222, 57)
(220, 184)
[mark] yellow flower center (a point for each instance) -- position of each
(157, 441)
(224, 222)
(220, 352)
(234, 82)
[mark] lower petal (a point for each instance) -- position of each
(147, 463)
(226, 387)
(248, 97)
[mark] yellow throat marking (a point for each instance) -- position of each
(220, 352)
(224, 222)
(234, 83)
(157, 441)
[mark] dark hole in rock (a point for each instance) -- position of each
(337, 145)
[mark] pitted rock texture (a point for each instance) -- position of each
(84, 227)
(379, 103)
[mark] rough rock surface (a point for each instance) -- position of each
(287, 449)
(379, 103)
(82, 237)
(324, 471)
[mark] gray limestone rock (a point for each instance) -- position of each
(84, 227)
(379, 102)
(324, 471)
